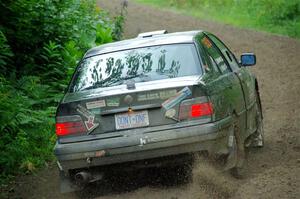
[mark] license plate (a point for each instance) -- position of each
(132, 120)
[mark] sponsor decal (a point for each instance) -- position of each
(170, 113)
(113, 102)
(148, 96)
(147, 140)
(206, 42)
(176, 99)
(99, 154)
(143, 141)
(90, 122)
(95, 104)
(167, 94)
(96, 111)
(157, 95)
(83, 111)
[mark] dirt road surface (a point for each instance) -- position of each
(272, 172)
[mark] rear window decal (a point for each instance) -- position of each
(176, 99)
(95, 104)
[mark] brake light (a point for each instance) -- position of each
(69, 125)
(199, 110)
(195, 108)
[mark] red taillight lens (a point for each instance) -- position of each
(195, 108)
(65, 127)
(199, 110)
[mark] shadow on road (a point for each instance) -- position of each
(126, 182)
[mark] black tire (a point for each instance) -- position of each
(238, 150)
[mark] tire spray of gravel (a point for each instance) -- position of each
(208, 178)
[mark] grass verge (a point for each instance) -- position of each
(274, 16)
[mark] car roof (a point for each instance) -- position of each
(144, 41)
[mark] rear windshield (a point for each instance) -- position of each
(138, 65)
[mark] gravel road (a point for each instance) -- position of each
(272, 172)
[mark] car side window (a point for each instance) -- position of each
(225, 51)
(215, 56)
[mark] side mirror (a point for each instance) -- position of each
(248, 59)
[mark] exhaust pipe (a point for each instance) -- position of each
(83, 177)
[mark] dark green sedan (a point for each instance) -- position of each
(154, 100)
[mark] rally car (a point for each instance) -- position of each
(157, 97)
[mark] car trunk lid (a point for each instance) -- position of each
(111, 109)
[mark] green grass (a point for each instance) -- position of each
(276, 16)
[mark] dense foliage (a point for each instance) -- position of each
(41, 42)
(279, 16)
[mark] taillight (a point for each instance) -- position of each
(199, 110)
(68, 125)
(195, 108)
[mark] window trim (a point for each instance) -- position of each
(201, 51)
(219, 51)
(234, 57)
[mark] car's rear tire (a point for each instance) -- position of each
(236, 157)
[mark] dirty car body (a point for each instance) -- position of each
(152, 97)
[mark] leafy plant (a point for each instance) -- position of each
(41, 42)
(5, 54)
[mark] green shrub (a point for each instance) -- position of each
(41, 43)
(26, 125)
(278, 10)
(5, 54)
(31, 25)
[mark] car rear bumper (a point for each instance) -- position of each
(185, 138)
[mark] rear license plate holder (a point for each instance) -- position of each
(131, 120)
